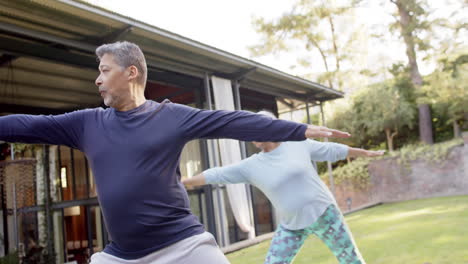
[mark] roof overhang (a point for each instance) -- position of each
(47, 57)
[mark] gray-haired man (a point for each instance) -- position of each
(134, 148)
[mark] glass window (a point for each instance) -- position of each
(92, 185)
(78, 232)
(235, 233)
(74, 175)
(263, 212)
(66, 179)
(29, 248)
(81, 173)
(190, 159)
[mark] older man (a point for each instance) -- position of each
(134, 148)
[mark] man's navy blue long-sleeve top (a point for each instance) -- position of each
(134, 156)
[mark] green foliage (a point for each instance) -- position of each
(454, 65)
(433, 153)
(443, 130)
(373, 110)
(11, 258)
(24, 150)
(446, 89)
(370, 111)
(402, 81)
(20, 148)
(356, 172)
(314, 119)
(343, 119)
(381, 107)
(39, 255)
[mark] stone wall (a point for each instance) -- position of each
(391, 181)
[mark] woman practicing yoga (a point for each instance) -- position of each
(284, 172)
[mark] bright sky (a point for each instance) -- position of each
(227, 25)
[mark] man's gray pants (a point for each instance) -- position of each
(198, 249)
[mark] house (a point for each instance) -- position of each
(48, 66)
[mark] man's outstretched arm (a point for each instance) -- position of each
(246, 126)
(313, 131)
(63, 129)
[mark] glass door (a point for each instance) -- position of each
(83, 232)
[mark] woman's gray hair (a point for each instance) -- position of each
(267, 113)
(126, 54)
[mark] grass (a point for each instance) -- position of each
(429, 231)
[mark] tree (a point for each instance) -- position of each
(412, 20)
(381, 108)
(342, 116)
(447, 90)
(311, 25)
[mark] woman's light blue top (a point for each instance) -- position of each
(286, 176)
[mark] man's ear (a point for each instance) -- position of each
(132, 72)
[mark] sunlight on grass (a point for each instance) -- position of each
(400, 216)
(420, 231)
(445, 239)
(415, 213)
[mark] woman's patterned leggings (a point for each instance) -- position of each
(329, 227)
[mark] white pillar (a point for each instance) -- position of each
(330, 173)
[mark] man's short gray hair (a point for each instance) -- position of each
(267, 113)
(126, 54)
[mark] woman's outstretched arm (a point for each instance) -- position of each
(196, 180)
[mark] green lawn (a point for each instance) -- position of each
(431, 231)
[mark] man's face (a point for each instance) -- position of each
(113, 82)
